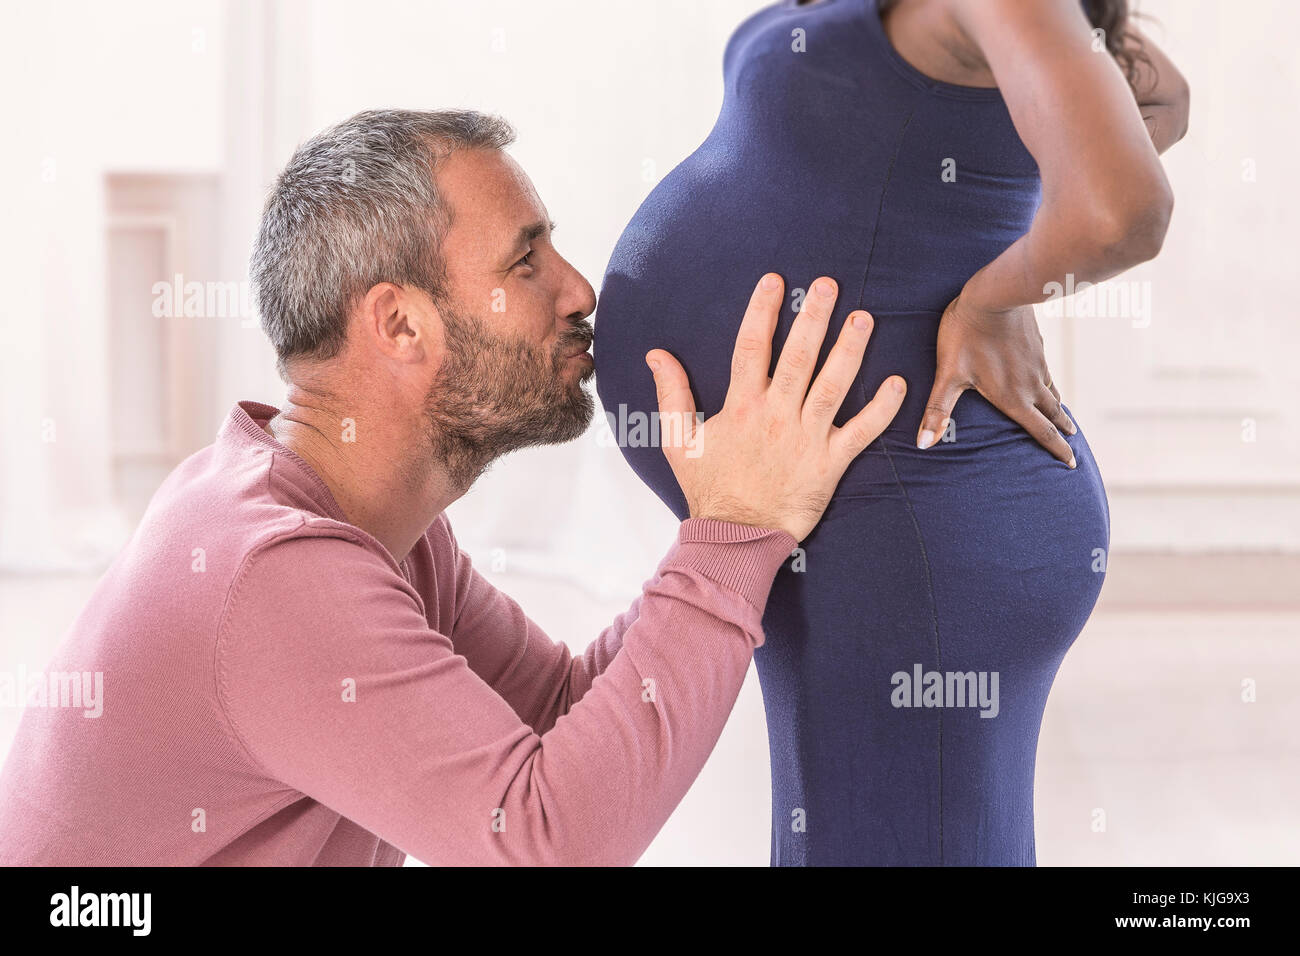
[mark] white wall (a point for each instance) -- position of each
(88, 90)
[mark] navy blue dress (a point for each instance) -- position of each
(934, 574)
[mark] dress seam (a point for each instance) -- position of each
(934, 620)
(875, 229)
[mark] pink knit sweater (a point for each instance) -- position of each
(276, 689)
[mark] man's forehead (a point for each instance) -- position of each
(487, 190)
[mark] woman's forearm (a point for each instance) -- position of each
(1080, 243)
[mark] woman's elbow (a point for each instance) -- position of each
(1134, 232)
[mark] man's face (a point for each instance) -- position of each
(517, 334)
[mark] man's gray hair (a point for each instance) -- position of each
(355, 206)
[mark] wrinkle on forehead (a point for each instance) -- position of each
(496, 192)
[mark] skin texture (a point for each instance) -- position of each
(438, 390)
(1106, 202)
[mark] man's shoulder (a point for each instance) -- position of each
(312, 551)
(309, 583)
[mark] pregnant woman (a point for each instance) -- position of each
(945, 162)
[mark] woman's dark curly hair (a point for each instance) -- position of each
(1111, 17)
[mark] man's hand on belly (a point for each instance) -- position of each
(773, 456)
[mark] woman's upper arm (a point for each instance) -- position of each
(1074, 111)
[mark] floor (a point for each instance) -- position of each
(1148, 753)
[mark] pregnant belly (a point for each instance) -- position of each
(679, 279)
(683, 270)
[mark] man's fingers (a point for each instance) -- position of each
(839, 373)
(676, 403)
(1041, 430)
(848, 441)
(803, 345)
(1050, 405)
(752, 355)
(943, 396)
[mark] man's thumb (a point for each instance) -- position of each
(676, 404)
(938, 410)
(671, 386)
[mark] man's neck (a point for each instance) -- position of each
(378, 467)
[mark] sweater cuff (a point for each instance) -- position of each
(740, 557)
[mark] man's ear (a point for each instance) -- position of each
(402, 324)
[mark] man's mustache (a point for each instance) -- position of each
(580, 333)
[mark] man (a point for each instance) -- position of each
(300, 666)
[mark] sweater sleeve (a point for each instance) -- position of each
(332, 680)
(539, 677)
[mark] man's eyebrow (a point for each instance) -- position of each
(526, 235)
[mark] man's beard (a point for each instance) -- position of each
(493, 396)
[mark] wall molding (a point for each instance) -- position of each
(1237, 581)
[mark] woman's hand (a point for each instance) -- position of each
(1000, 355)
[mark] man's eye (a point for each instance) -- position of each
(526, 260)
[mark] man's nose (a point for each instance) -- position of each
(578, 298)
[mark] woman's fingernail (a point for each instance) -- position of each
(860, 320)
(926, 439)
(1072, 461)
(769, 282)
(824, 288)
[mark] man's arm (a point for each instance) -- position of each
(539, 677)
(336, 686)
